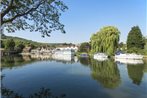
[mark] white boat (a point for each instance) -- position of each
(84, 55)
(100, 56)
(130, 61)
(128, 56)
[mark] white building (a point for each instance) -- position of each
(74, 48)
(41, 51)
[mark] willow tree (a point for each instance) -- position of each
(35, 15)
(106, 40)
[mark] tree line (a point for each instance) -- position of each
(9, 43)
(107, 40)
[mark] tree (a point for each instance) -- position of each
(20, 47)
(106, 40)
(9, 44)
(122, 46)
(145, 46)
(35, 15)
(84, 47)
(135, 39)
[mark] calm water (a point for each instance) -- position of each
(24, 77)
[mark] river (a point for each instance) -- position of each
(26, 77)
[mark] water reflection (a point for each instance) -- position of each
(85, 61)
(135, 73)
(19, 60)
(15, 61)
(106, 73)
(42, 93)
(145, 65)
(65, 59)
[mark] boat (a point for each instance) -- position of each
(130, 61)
(100, 56)
(128, 56)
(84, 55)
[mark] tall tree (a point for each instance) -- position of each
(135, 39)
(106, 40)
(35, 15)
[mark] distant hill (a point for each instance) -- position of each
(17, 39)
(37, 44)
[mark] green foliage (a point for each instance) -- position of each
(135, 41)
(84, 47)
(106, 40)
(135, 50)
(145, 47)
(122, 47)
(9, 44)
(20, 47)
(18, 41)
(35, 15)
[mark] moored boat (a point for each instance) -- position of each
(100, 56)
(84, 55)
(130, 61)
(128, 56)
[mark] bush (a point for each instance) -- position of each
(135, 50)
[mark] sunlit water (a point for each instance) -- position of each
(23, 77)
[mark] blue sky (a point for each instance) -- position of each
(85, 17)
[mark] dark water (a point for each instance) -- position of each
(24, 77)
